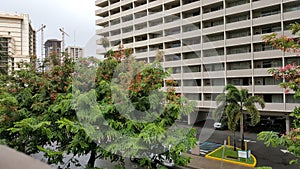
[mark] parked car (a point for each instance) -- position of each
(220, 126)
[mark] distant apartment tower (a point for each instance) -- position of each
(74, 52)
(17, 41)
(208, 43)
(52, 46)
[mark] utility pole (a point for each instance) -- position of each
(42, 44)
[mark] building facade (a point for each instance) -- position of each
(208, 44)
(52, 46)
(17, 41)
(74, 52)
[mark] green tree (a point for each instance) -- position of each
(291, 81)
(58, 112)
(232, 102)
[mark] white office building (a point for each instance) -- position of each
(74, 52)
(17, 41)
(208, 43)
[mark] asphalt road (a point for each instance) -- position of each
(266, 156)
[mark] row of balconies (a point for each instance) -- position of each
(209, 23)
(140, 41)
(277, 107)
(209, 6)
(206, 16)
(212, 59)
(258, 27)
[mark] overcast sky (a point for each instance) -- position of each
(77, 17)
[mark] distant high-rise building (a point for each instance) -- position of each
(208, 44)
(74, 52)
(52, 46)
(17, 41)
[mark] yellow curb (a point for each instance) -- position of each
(229, 161)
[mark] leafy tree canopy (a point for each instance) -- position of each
(114, 108)
(291, 75)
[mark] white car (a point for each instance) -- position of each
(217, 125)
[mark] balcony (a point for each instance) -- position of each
(239, 73)
(274, 106)
(156, 40)
(292, 15)
(172, 24)
(100, 2)
(212, 15)
(208, 2)
(213, 59)
(191, 34)
(172, 63)
(190, 5)
(193, 75)
(213, 44)
(264, 3)
(238, 41)
(155, 15)
(100, 11)
(268, 89)
(267, 54)
(214, 74)
(191, 89)
(261, 72)
(291, 106)
(172, 11)
(212, 30)
(238, 25)
(192, 61)
(266, 19)
(239, 57)
(192, 19)
(140, 55)
(213, 89)
(237, 9)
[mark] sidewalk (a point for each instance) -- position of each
(199, 162)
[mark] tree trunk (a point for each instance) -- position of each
(242, 131)
(234, 142)
(92, 159)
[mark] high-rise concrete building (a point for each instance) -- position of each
(52, 46)
(17, 41)
(208, 43)
(74, 52)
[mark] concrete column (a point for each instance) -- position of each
(287, 123)
(192, 118)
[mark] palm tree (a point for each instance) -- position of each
(232, 102)
(105, 42)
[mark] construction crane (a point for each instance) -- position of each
(42, 39)
(41, 62)
(63, 33)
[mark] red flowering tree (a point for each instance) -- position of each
(291, 81)
(66, 112)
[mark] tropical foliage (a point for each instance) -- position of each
(291, 76)
(70, 110)
(232, 103)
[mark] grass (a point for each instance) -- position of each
(231, 155)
